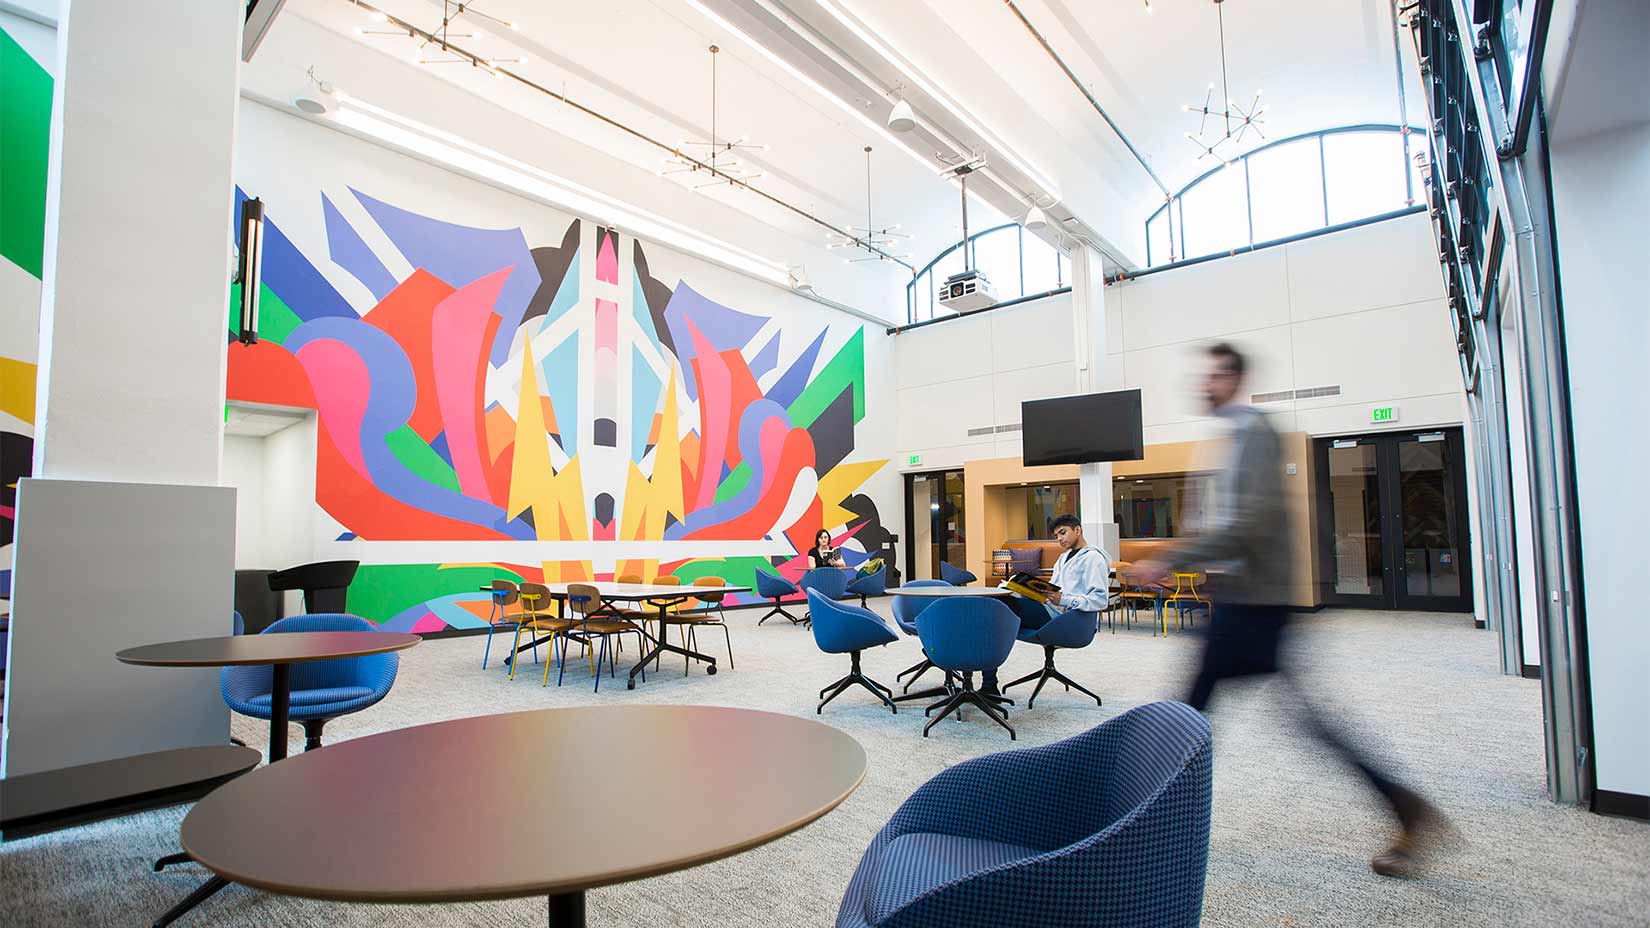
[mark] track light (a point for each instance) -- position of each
(901, 118)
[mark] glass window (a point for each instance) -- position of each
(1030, 509)
(1365, 174)
(1169, 506)
(1157, 238)
(997, 255)
(1286, 187)
(1216, 214)
(1042, 265)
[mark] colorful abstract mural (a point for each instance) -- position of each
(514, 392)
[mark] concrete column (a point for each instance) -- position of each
(1088, 319)
(139, 206)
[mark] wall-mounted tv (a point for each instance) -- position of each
(1082, 429)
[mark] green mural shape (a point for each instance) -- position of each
(420, 458)
(25, 145)
(383, 591)
(846, 367)
(734, 482)
(276, 320)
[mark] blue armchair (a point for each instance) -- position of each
(1109, 828)
(956, 576)
(841, 628)
(962, 635)
(321, 690)
(1071, 629)
(829, 582)
(906, 610)
(776, 588)
(871, 584)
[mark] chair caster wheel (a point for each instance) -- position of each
(630, 684)
(710, 669)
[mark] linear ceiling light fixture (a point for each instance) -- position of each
(957, 110)
(609, 121)
(730, 168)
(464, 155)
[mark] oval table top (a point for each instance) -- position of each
(948, 591)
(280, 648)
(523, 804)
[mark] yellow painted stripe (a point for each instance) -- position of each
(17, 389)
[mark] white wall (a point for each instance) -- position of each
(243, 467)
(1363, 309)
(1601, 196)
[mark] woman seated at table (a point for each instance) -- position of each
(822, 554)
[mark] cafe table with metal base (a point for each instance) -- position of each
(660, 596)
(380, 839)
(942, 592)
(280, 651)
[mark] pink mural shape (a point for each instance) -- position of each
(715, 398)
(458, 329)
(342, 386)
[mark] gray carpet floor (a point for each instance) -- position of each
(1293, 828)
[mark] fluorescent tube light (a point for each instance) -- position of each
(464, 155)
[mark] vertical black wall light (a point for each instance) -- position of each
(250, 270)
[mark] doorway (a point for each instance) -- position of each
(1392, 512)
(935, 523)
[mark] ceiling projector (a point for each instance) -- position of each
(967, 291)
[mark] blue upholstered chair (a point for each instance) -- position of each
(829, 582)
(1071, 629)
(906, 610)
(956, 576)
(321, 690)
(1109, 828)
(237, 624)
(842, 628)
(775, 587)
(964, 635)
(871, 584)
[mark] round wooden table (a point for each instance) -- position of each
(280, 650)
(939, 591)
(550, 802)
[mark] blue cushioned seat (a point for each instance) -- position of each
(840, 628)
(965, 635)
(906, 610)
(776, 588)
(1071, 629)
(321, 690)
(871, 584)
(1108, 828)
(829, 582)
(956, 576)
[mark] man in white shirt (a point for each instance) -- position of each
(1083, 575)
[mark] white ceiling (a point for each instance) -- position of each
(977, 78)
(258, 421)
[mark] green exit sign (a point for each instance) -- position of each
(1381, 414)
(913, 460)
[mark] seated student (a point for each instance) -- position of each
(822, 554)
(1082, 573)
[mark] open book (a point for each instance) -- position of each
(1030, 586)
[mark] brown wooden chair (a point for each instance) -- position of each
(1133, 596)
(535, 620)
(586, 621)
(504, 595)
(693, 619)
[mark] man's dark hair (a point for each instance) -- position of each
(1229, 357)
(1064, 520)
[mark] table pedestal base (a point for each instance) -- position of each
(201, 894)
(567, 910)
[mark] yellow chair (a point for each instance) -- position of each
(1185, 597)
(534, 598)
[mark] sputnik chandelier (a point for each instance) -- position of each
(1235, 120)
(719, 164)
(868, 236)
(435, 48)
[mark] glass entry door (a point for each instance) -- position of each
(1393, 525)
(934, 523)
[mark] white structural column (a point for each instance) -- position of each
(1088, 320)
(139, 205)
(123, 536)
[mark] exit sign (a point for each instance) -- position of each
(1383, 414)
(913, 460)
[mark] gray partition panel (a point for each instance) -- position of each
(101, 567)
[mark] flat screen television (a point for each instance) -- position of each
(1082, 429)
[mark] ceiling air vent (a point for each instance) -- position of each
(1305, 394)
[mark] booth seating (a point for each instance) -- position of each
(1107, 828)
